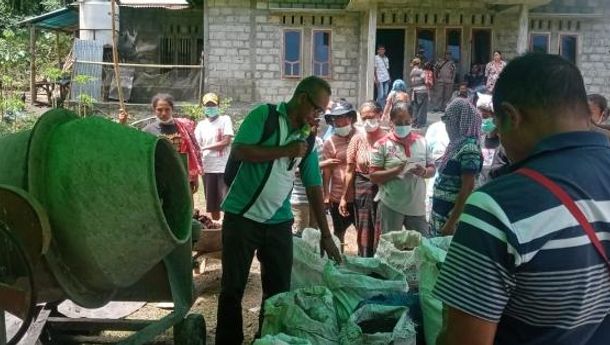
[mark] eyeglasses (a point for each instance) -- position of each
(319, 110)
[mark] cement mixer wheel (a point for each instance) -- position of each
(190, 331)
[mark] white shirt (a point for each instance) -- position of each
(208, 133)
(382, 65)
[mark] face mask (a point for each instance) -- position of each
(170, 121)
(211, 111)
(371, 125)
(488, 125)
(343, 131)
(402, 131)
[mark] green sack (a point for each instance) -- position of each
(307, 313)
(281, 339)
(374, 324)
(358, 279)
(397, 249)
(430, 256)
(307, 266)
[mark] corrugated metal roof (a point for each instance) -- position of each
(170, 4)
(65, 19)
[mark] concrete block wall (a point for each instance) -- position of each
(245, 51)
(229, 52)
(591, 28)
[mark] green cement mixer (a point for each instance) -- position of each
(97, 212)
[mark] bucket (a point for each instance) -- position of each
(117, 199)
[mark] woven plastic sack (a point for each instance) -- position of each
(281, 339)
(397, 249)
(430, 256)
(375, 324)
(359, 279)
(307, 313)
(307, 265)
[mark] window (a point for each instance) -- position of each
(454, 43)
(177, 51)
(481, 46)
(568, 47)
(425, 43)
(321, 53)
(292, 53)
(539, 43)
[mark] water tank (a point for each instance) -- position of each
(96, 20)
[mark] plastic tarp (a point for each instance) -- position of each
(430, 256)
(397, 249)
(374, 324)
(307, 313)
(358, 279)
(281, 339)
(307, 265)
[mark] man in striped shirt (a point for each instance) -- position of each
(521, 270)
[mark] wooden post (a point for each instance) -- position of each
(32, 64)
(58, 50)
(522, 39)
(370, 53)
(115, 56)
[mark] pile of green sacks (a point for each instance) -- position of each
(325, 306)
(327, 301)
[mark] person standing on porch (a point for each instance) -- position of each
(493, 70)
(444, 71)
(420, 94)
(214, 134)
(257, 207)
(382, 74)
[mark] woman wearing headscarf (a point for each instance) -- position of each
(398, 94)
(458, 167)
(358, 179)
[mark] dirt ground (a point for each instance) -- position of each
(207, 287)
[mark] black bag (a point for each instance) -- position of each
(270, 126)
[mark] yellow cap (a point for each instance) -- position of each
(210, 97)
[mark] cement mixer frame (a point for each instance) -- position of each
(44, 324)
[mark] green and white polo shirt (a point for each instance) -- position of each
(261, 191)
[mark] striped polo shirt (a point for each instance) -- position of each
(521, 260)
(261, 191)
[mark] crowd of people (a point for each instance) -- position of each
(382, 168)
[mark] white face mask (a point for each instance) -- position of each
(168, 121)
(402, 131)
(371, 125)
(343, 131)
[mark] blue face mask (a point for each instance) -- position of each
(402, 131)
(488, 125)
(211, 111)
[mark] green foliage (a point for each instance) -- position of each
(15, 39)
(193, 111)
(20, 123)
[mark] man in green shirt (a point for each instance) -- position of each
(258, 215)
